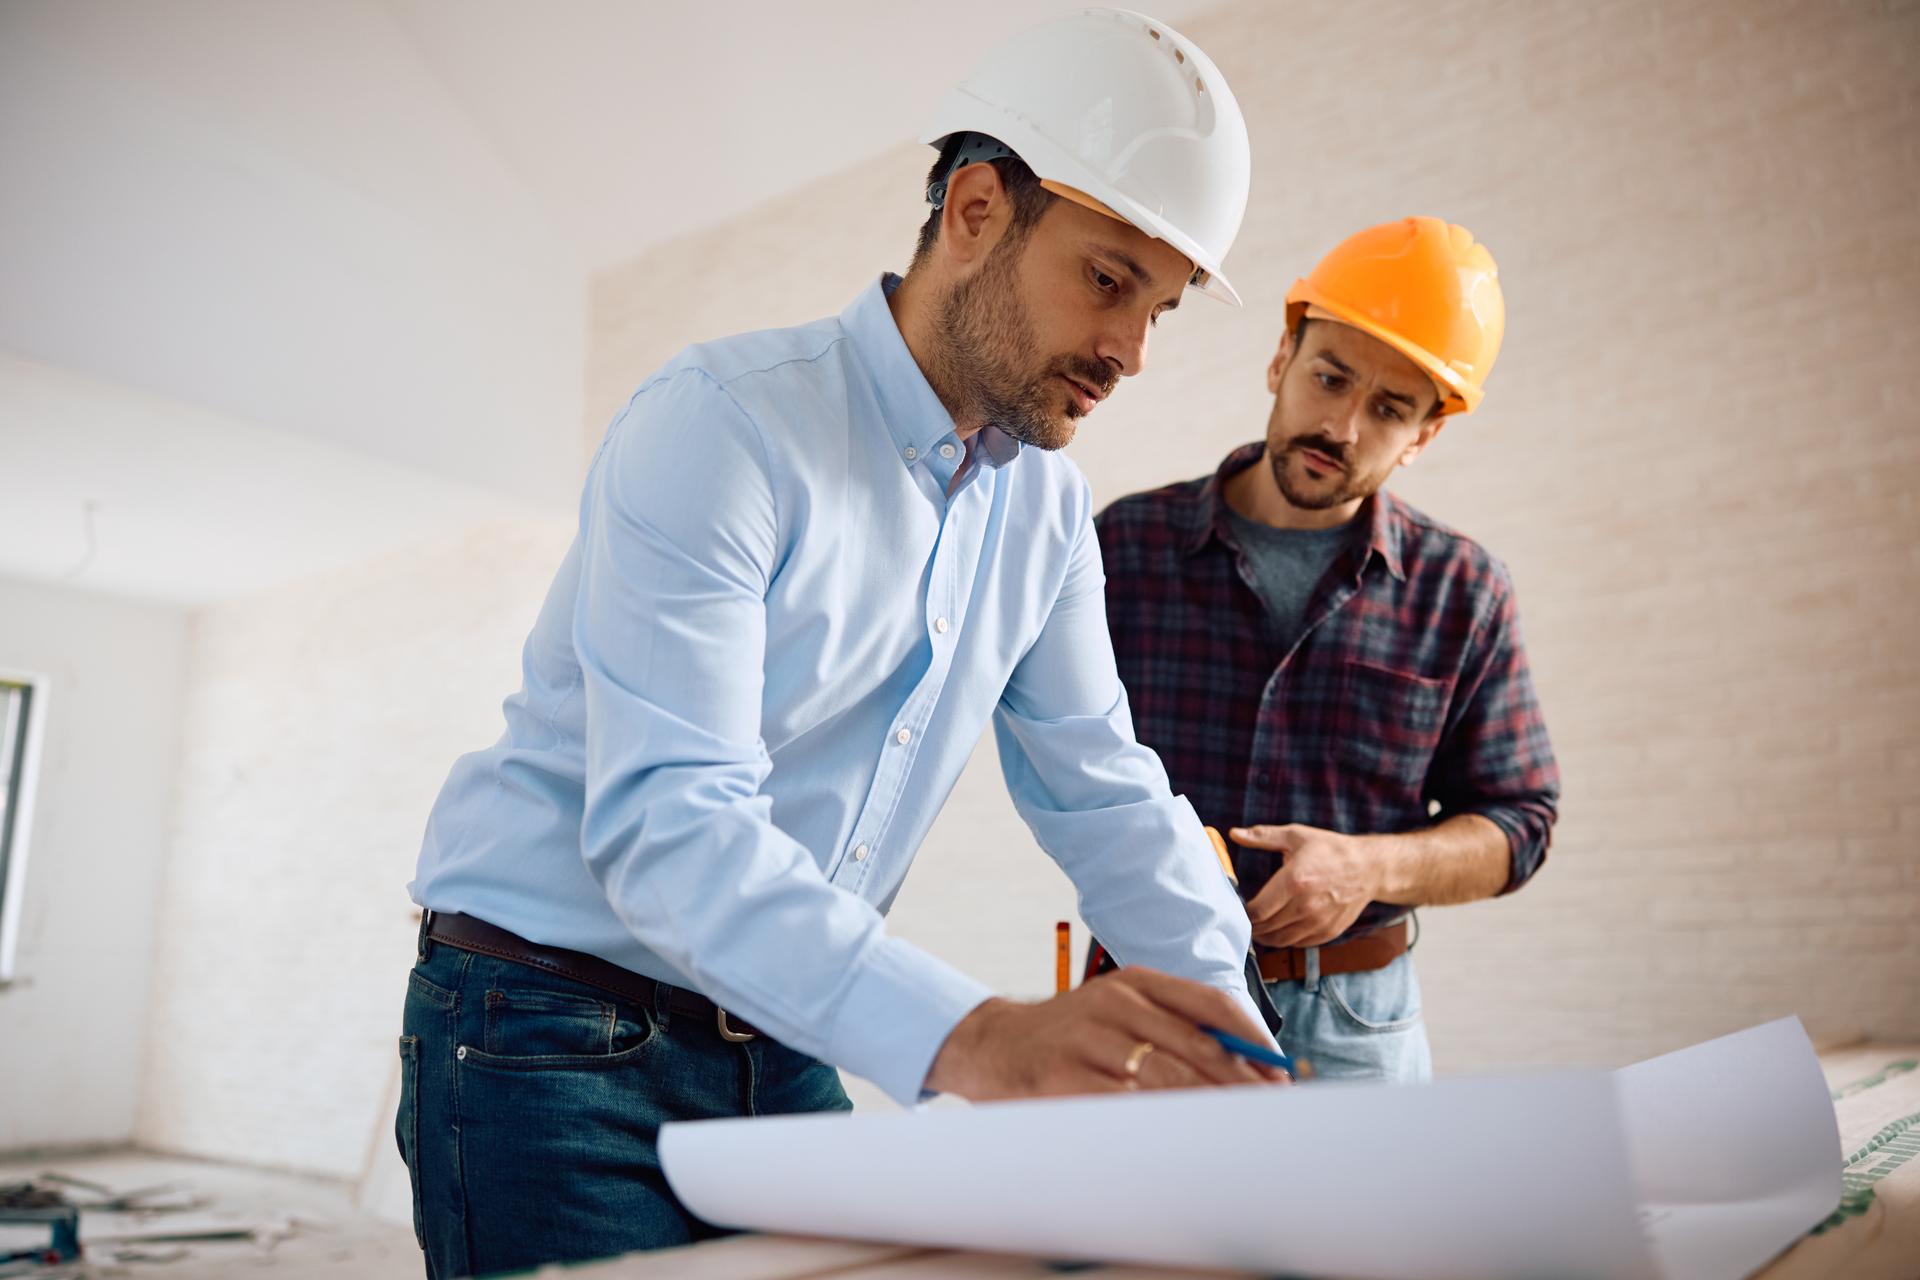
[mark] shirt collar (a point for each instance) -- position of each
(1380, 514)
(914, 416)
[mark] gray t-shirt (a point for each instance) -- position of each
(1287, 564)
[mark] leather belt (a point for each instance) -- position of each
(472, 934)
(1375, 951)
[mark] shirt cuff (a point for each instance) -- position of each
(1520, 868)
(898, 1012)
(1238, 991)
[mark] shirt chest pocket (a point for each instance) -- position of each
(1387, 723)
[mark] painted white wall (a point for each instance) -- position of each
(73, 1025)
(319, 721)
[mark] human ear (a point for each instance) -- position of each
(1278, 365)
(975, 213)
(1428, 430)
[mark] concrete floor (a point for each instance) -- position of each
(313, 1231)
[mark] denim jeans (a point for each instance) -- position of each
(530, 1106)
(1357, 1026)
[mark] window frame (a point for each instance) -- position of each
(19, 785)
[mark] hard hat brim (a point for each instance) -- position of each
(1457, 395)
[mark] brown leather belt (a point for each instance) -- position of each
(471, 934)
(1375, 951)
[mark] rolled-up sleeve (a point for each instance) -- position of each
(1495, 758)
(1149, 883)
(680, 533)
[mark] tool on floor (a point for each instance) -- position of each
(24, 1204)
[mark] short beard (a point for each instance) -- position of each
(983, 336)
(1354, 488)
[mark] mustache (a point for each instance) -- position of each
(1097, 374)
(1320, 444)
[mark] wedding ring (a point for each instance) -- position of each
(1138, 1056)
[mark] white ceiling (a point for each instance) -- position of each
(636, 122)
(87, 499)
(364, 232)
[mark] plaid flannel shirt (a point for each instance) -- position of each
(1406, 699)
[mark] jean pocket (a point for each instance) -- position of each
(1389, 723)
(534, 1027)
(428, 996)
(1377, 1001)
(406, 1126)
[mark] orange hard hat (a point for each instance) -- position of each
(1423, 287)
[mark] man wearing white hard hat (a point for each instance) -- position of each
(812, 565)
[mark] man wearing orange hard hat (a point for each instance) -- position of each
(1334, 678)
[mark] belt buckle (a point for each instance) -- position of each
(727, 1032)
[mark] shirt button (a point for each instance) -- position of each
(912, 453)
(940, 625)
(946, 451)
(859, 853)
(903, 737)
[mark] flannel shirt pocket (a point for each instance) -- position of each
(1388, 723)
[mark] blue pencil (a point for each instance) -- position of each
(1247, 1049)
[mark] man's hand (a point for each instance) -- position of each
(1090, 1040)
(1326, 881)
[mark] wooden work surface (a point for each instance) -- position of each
(799, 1258)
(1875, 1234)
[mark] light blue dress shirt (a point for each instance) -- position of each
(758, 675)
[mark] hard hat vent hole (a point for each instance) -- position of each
(1199, 85)
(1178, 56)
(1153, 33)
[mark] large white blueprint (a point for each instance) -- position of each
(1700, 1164)
(1735, 1149)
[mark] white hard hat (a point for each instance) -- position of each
(1123, 110)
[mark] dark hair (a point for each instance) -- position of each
(1023, 188)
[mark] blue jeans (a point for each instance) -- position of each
(1357, 1026)
(530, 1105)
